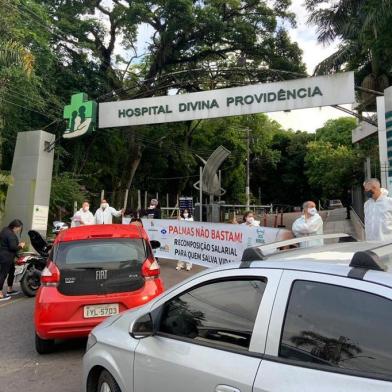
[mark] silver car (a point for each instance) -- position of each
(307, 320)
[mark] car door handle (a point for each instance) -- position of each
(226, 388)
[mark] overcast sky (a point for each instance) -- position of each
(313, 53)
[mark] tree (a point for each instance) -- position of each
(363, 27)
(333, 164)
(194, 46)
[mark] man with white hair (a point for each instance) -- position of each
(378, 212)
(154, 211)
(310, 223)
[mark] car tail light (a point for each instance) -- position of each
(50, 275)
(150, 269)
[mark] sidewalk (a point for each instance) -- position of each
(336, 222)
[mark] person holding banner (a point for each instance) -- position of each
(185, 216)
(249, 220)
(154, 211)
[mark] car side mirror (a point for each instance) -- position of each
(155, 244)
(143, 327)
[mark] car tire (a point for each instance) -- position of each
(43, 346)
(106, 383)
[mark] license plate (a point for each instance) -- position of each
(101, 310)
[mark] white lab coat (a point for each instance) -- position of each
(307, 227)
(85, 216)
(105, 217)
(378, 218)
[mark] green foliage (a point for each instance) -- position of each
(333, 164)
(66, 189)
(5, 181)
(365, 40)
(332, 169)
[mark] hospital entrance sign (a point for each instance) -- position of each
(236, 101)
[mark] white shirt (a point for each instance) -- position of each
(82, 216)
(307, 227)
(378, 218)
(105, 217)
(188, 218)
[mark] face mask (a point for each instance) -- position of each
(104, 205)
(85, 209)
(152, 206)
(250, 220)
(186, 215)
(312, 211)
(369, 194)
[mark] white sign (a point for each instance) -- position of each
(40, 218)
(259, 98)
(208, 244)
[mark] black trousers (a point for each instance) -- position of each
(4, 269)
(11, 275)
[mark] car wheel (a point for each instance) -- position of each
(43, 346)
(107, 383)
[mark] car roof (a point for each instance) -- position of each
(333, 259)
(89, 232)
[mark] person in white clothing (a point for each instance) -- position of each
(83, 217)
(249, 220)
(104, 214)
(185, 216)
(378, 212)
(310, 223)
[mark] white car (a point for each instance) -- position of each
(307, 320)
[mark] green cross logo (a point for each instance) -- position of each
(81, 116)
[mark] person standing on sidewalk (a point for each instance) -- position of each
(378, 212)
(310, 223)
(185, 216)
(9, 246)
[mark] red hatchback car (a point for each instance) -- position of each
(93, 272)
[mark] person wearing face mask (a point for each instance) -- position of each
(378, 212)
(154, 211)
(185, 216)
(9, 246)
(83, 217)
(249, 220)
(104, 214)
(310, 223)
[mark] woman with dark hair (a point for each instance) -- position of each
(9, 246)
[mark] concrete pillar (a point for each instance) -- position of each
(382, 143)
(388, 127)
(32, 166)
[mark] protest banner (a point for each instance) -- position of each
(207, 244)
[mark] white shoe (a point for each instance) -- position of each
(188, 267)
(178, 268)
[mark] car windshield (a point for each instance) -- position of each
(101, 251)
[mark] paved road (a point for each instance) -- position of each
(22, 369)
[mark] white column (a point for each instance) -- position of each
(382, 142)
(388, 128)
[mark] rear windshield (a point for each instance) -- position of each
(100, 251)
